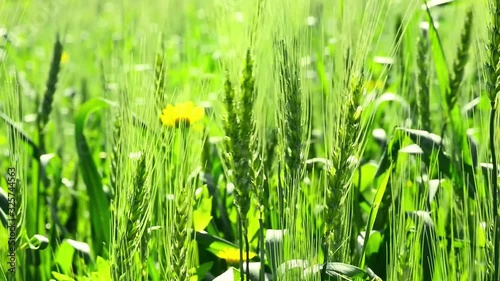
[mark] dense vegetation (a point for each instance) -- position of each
(328, 140)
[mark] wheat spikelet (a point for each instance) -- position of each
(460, 62)
(51, 84)
(423, 110)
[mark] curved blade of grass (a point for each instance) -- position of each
(4, 219)
(342, 271)
(292, 265)
(439, 3)
(429, 142)
(4, 207)
(389, 155)
(37, 242)
(231, 274)
(206, 239)
(335, 269)
(374, 210)
(426, 140)
(61, 277)
(203, 269)
(64, 257)
(98, 202)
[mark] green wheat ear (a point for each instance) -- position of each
(242, 162)
(247, 133)
(344, 162)
(493, 88)
(160, 76)
(239, 128)
(293, 129)
(183, 204)
(133, 242)
(400, 59)
(138, 215)
(423, 91)
(492, 69)
(290, 123)
(50, 89)
(115, 154)
(460, 62)
(231, 124)
(179, 246)
(113, 178)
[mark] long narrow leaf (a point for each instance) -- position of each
(23, 135)
(438, 54)
(374, 210)
(98, 203)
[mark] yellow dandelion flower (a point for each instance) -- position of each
(64, 57)
(181, 114)
(232, 255)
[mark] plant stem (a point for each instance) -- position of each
(261, 243)
(325, 256)
(247, 249)
(496, 215)
(240, 241)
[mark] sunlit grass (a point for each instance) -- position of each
(193, 140)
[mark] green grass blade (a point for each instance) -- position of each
(341, 269)
(374, 210)
(4, 207)
(438, 54)
(231, 274)
(205, 239)
(98, 202)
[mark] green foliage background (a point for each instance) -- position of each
(324, 121)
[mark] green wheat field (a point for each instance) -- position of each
(259, 140)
